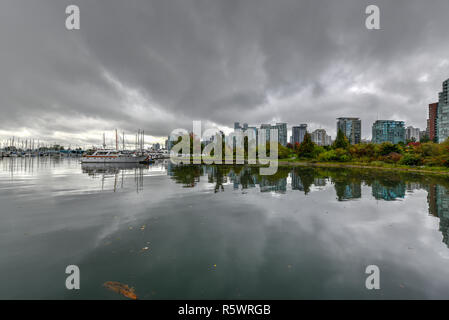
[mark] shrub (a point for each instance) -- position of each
(283, 152)
(317, 151)
(338, 154)
(428, 149)
(411, 160)
(362, 150)
(387, 148)
(438, 161)
(330, 155)
(341, 152)
(365, 159)
(392, 157)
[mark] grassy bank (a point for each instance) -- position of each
(360, 165)
(425, 157)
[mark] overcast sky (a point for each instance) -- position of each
(158, 65)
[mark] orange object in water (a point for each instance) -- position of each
(121, 288)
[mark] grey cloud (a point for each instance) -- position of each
(158, 65)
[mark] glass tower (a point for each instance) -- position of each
(388, 131)
(352, 129)
(443, 113)
(298, 133)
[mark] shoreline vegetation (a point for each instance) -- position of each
(421, 157)
(358, 165)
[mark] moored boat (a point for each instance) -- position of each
(113, 156)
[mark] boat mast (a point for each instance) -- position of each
(143, 140)
(116, 140)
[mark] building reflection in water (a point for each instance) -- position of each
(118, 172)
(389, 192)
(348, 186)
(245, 177)
(348, 191)
(438, 200)
(347, 183)
(303, 178)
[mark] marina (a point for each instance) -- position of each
(27, 148)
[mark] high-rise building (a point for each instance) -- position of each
(282, 132)
(388, 131)
(412, 133)
(352, 129)
(320, 137)
(267, 128)
(432, 131)
(169, 143)
(443, 113)
(253, 131)
(250, 132)
(423, 134)
(298, 133)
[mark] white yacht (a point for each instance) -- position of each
(112, 156)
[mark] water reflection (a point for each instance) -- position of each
(438, 200)
(28, 165)
(385, 186)
(388, 192)
(302, 233)
(117, 172)
(188, 176)
(349, 185)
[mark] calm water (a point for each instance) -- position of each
(220, 232)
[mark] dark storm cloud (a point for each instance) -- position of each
(158, 65)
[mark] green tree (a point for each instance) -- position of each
(341, 141)
(283, 152)
(306, 147)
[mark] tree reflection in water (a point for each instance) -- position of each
(348, 183)
(385, 185)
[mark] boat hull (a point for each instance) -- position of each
(92, 159)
